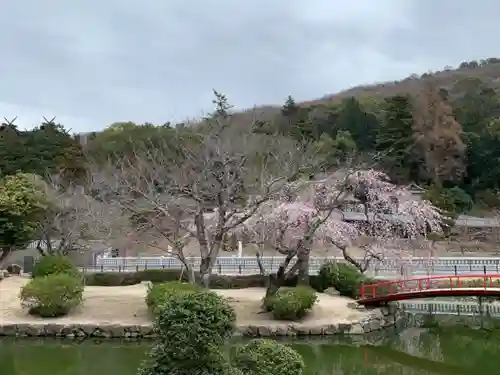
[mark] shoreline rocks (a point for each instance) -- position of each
(377, 320)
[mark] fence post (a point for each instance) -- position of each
(240, 249)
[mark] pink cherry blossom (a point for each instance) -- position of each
(388, 212)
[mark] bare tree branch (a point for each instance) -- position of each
(74, 219)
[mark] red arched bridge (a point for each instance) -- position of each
(429, 287)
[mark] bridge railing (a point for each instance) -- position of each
(387, 288)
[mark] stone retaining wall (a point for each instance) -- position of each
(377, 320)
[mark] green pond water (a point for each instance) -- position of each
(413, 351)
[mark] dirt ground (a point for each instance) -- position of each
(125, 305)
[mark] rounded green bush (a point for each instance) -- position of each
(52, 295)
(192, 328)
(158, 293)
(160, 363)
(292, 303)
(196, 321)
(268, 357)
(342, 276)
(54, 264)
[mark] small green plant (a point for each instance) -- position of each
(268, 357)
(342, 276)
(54, 264)
(291, 303)
(158, 293)
(52, 295)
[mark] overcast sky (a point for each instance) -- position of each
(91, 63)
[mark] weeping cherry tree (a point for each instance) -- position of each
(310, 212)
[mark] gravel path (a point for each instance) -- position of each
(125, 305)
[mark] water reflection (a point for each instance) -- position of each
(412, 352)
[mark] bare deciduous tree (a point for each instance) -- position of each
(214, 183)
(74, 219)
(438, 137)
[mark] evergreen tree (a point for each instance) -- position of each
(394, 138)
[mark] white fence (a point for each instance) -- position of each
(248, 265)
(450, 308)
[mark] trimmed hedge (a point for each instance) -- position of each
(318, 282)
(166, 275)
(112, 278)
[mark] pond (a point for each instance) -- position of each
(413, 351)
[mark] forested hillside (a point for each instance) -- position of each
(441, 131)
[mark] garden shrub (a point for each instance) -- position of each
(158, 293)
(216, 281)
(54, 264)
(53, 295)
(159, 363)
(268, 357)
(291, 303)
(344, 277)
(238, 281)
(161, 275)
(195, 318)
(112, 278)
(389, 287)
(192, 329)
(165, 275)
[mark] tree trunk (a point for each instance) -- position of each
(351, 260)
(40, 249)
(205, 271)
(277, 280)
(273, 285)
(190, 273)
(4, 255)
(208, 260)
(186, 262)
(302, 266)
